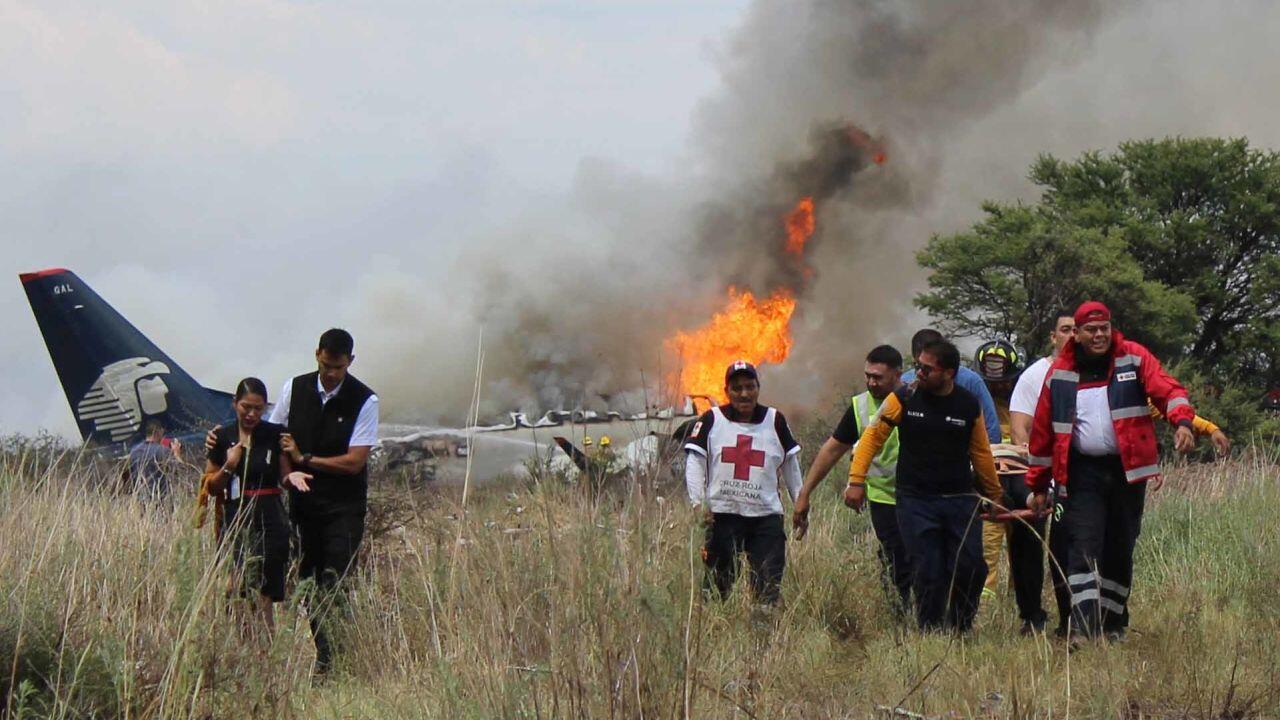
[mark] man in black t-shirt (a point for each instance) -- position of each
(941, 431)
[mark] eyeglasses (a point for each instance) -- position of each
(923, 370)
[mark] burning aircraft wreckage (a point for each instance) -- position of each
(567, 442)
(115, 378)
(752, 324)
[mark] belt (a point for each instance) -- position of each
(261, 491)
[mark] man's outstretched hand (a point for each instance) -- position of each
(1184, 441)
(1221, 444)
(299, 480)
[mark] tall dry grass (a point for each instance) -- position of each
(543, 600)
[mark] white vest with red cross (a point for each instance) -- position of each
(743, 460)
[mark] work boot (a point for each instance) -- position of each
(1034, 626)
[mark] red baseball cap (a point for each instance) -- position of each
(740, 366)
(1092, 311)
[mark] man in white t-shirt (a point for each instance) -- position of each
(736, 454)
(1022, 410)
(1026, 393)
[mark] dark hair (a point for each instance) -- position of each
(1063, 312)
(947, 355)
(923, 338)
(337, 341)
(886, 355)
(251, 386)
(151, 427)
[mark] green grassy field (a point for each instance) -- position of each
(543, 602)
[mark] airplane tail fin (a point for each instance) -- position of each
(113, 376)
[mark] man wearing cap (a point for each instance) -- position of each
(943, 439)
(1093, 433)
(736, 454)
(1022, 410)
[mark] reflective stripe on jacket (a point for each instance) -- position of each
(1136, 376)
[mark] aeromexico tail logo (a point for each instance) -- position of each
(125, 393)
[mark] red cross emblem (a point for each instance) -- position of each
(742, 458)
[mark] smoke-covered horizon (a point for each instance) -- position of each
(807, 76)
(216, 231)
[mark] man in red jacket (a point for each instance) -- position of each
(1094, 433)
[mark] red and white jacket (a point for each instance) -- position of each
(1136, 376)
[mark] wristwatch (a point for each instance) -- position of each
(306, 460)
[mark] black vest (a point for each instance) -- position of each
(325, 431)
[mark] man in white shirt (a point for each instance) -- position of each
(1026, 393)
(332, 422)
(736, 454)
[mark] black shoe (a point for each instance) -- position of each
(319, 676)
(1115, 636)
(320, 671)
(1030, 627)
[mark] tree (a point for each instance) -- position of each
(1181, 237)
(1011, 273)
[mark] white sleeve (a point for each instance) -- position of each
(1026, 394)
(695, 477)
(365, 433)
(791, 475)
(280, 411)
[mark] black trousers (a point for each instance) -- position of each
(1026, 553)
(258, 532)
(764, 541)
(1059, 552)
(943, 536)
(329, 537)
(894, 559)
(1103, 517)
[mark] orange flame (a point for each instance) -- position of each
(800, 225)
(757, 331)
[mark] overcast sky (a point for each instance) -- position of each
(182, 155)
(204, 165)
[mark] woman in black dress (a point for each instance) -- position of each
(245, 466)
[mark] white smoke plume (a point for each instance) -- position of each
(575, 305)
(206, 181)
